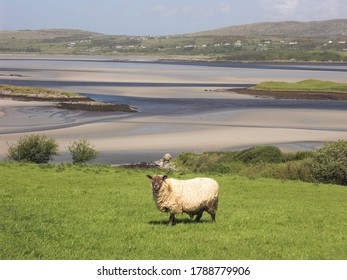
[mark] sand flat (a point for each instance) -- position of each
(123, 138)
(198, 133)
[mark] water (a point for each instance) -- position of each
(91, 76)
(177, 102)
(179, 106)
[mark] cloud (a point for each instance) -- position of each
(280, 8)
(225, 8)
(286, 6)
(303, 10)
(332, 8)
(192, 10)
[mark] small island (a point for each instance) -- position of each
(307, 89)
(63, 100)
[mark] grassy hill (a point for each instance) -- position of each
(328, 28)
(281, 41)
(100, 212)
(46, 34)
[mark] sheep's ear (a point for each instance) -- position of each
(149, 177)
(164, 177)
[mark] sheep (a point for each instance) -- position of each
(185, 196)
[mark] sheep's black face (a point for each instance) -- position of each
(157, 181)
(156, 184)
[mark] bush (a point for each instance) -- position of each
(33, 148)
(219, 168)
(294, 156)
(185, 158)
(330, 163)
(257, 154)
(82, 151)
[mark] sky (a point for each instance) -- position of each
(160, 17)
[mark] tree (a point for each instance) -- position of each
(330, 163)
(82, 151)
(33, 148)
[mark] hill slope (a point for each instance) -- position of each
(45, 34)
(271, 41)
(336, 27)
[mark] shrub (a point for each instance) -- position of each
(219, 168)
(185, 158)
(330, 163)
(294, 156)
(82, 151)
(204, 162)
(297, 170)
(33, 148)
(257, 154)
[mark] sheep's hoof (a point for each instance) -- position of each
(198, 217)
(172, 220)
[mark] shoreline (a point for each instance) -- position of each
(287, 94)
(153, 58)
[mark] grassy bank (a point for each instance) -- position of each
(99, 212)
(306, 85)
(303, 90)
(35, 91)
(64, 100)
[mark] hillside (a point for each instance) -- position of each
(328, 28)
(45, 34)
(280, 41)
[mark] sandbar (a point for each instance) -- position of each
(154, 131)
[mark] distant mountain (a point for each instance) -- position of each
(46, 34)
(269, 41)
(327, 28)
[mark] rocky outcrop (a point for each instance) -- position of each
(163, 163)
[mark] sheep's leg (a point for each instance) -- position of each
(212, 210)
(172, 220)
(198, 216)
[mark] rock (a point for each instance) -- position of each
(167, 157)
(142, 165)
(163, 163)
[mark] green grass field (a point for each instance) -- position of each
(99, 212)
(306, 85)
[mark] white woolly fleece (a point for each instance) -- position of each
(188, 196)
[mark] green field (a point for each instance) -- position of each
(306, 85)
(100, 212)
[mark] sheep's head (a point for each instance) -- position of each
(157, 181)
